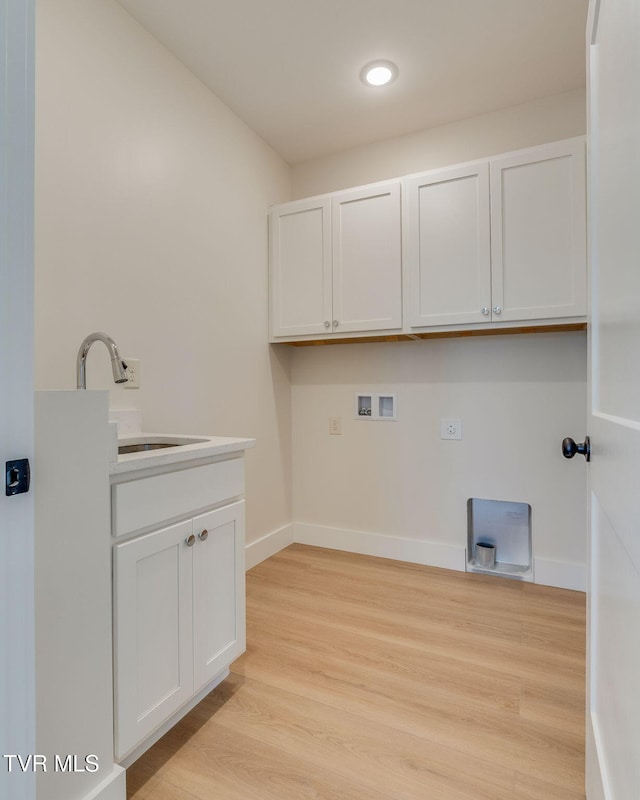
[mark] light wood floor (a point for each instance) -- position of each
(368, 679)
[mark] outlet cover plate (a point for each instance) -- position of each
(450, 428)
(132, 372)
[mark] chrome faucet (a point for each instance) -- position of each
(117, 364)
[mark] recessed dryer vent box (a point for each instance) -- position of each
(504, 527)
(376, 406)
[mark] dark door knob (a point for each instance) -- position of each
(570, 448)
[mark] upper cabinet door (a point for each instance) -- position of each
(300, 259)
(447, 246)
(367, 259)
(538, 232)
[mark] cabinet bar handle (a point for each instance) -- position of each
(190, 540)
(203, 535)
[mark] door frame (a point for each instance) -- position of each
(17, 625)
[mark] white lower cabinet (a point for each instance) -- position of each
(179, 617)
(218, 591)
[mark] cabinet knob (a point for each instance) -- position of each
(497, 310)
(485, 311)
(190, 540)
(335, 323)
(327, 324)
(203, 535)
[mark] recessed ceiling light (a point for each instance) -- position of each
(378, 73)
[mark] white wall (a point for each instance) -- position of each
(560, 116)
(518, 396)
(151, 200)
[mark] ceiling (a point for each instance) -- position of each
(290, 68)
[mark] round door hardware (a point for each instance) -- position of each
(203, 535)
(497, 310)
(570, 448)
(190, 540)
(485, 311)
(327, 324)
(335, 323)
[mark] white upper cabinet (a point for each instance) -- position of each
(538, 232)
(367, 259)
(300, 267)
(447, 245)
(498, 241)
(336, 263)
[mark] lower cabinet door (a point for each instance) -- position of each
(153, 631)
(218, 591)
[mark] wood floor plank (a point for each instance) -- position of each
(372, 679)
(527, 787)
(384, 758)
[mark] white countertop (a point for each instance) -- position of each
(206, 447)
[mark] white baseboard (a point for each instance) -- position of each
(113, 787)
(268, 545)
(431, 554)
(563, 574)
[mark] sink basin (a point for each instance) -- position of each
(144, 444)
(137, 452)
(123, 449)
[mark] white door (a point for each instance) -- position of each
(367, 259)
(153, 631)
(613, 698)
(218, 591)
(17, 688)
(447, 245)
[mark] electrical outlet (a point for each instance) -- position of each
(451, 429)
(335, 426)
(132, 372)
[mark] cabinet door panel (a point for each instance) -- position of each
(538, 233)
(152, 631)
(367, 259)
(300, 267)
(218, 593)
(447, 246)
